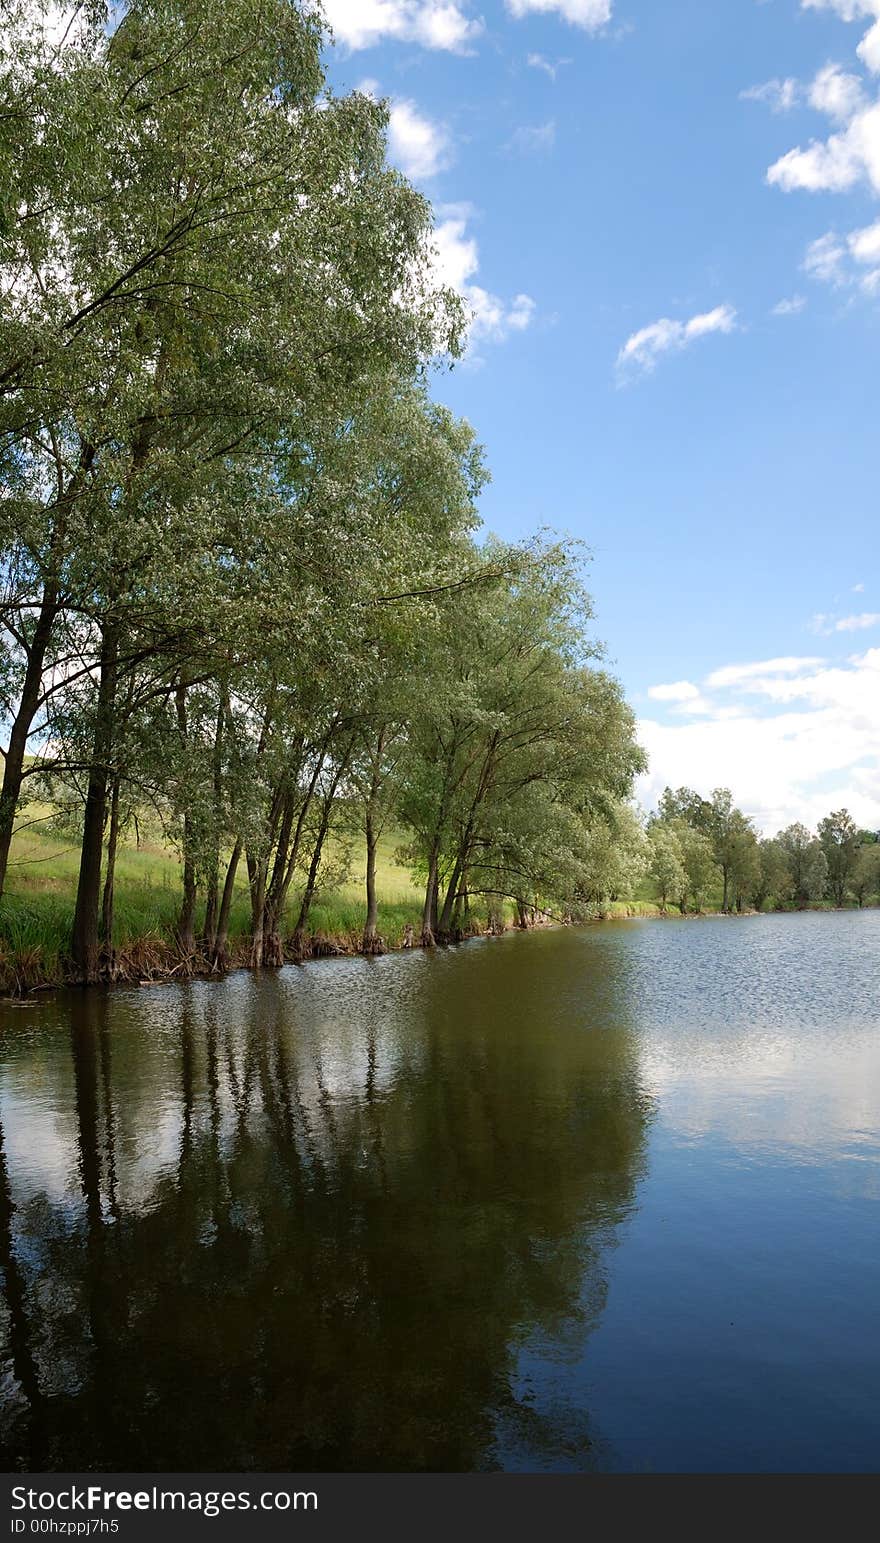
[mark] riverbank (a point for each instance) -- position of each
(35, 967)
(36, 912)
(33, 941)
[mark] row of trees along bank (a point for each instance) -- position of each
(240, 579)
(700, 847)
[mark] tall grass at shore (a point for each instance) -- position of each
(36, 912)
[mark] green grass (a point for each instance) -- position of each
(36, 912)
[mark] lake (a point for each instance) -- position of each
(601, 1199)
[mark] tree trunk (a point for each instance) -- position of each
(186, 926)
(312, 880)
(429, 912)
(285, 864)
(444, 925)
(85, 953)
(218, 954)
(257, 878)
(371, 923)
(212, 902)
(212, 894)
(21, 727)
(110, 877)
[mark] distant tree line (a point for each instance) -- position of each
(240, 583)
(702, 847)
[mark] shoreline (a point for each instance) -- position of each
(155, 962)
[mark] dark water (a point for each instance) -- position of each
(578, 1200)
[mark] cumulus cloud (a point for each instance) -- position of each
(836, 93)
(589, 14)
(835, 164)
(848, 158)
(779, 95)
(419, 147)
(442, 24)
(851, 155)
(790, 307)
(642, 349)
(869, 49)
(793, 737)
(457, 263)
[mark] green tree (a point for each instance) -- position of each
(744, 859)
(839, 838)
(771, 877)
(864, 880)
(202, 256)
(700, 868)
(666, 862)
(806, 865)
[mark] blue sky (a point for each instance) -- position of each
(667, 221)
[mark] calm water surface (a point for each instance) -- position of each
(577, 1200)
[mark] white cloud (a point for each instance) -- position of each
(851, 155)
(833, 91)
(856, 10)
(676, 691)
(792, 737)
(846, 260)
(441, 24)
(457, 264)
(419, 147)
(643, 348)
(837, 163)
(847, 10)
(741, 674)
(589, 14)
(836, 93)
(789, 307)
(858, 623)
(826, 626)
(864, 244)
(824, 258)
(858, 589)
(869, 49)
(780, 95)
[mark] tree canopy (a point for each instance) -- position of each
(242, 578)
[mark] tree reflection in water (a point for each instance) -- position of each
(310, 1221)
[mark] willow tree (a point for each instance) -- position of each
(202, 252)
(522, 743)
